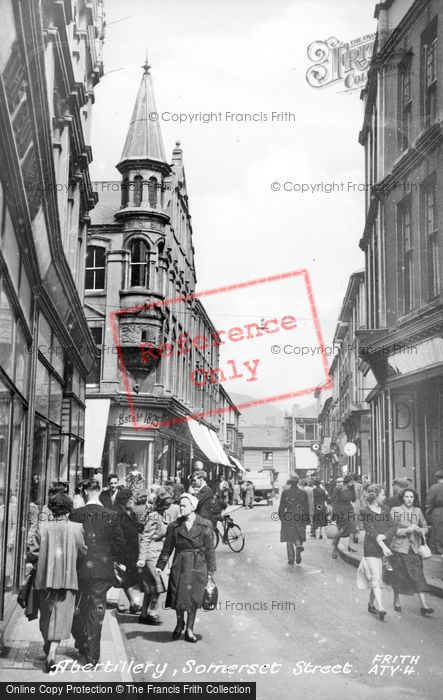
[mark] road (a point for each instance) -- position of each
(274, 614)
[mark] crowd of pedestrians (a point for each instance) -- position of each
(147, 542)
(395, 530)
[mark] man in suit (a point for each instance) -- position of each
(107, 496)
(105, 543)
(203, 492)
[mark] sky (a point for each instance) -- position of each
(250, 57)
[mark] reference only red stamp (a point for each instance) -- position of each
(261, 337)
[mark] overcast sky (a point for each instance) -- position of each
(249, 57)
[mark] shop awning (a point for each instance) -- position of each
(237, 463)
(96, 421)
(200, 435)
(305, 458)
(222, 456)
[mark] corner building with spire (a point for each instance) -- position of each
(140, 251)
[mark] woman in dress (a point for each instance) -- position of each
(376, 521)
(434, 513)
(124, 509)
(410, 529)
(55, 547)
(151, 544)
(191, 538)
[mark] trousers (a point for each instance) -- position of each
(88, 620)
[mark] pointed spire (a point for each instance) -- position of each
(144, 140)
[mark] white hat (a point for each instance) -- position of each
(192, 499)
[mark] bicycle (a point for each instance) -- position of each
(231, 535)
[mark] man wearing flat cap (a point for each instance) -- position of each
(203, 493)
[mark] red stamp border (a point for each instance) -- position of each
(218, 290)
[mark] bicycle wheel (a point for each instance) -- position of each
(235, 537)
(216, 537)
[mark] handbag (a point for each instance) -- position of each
(423, 550)
(332, 531)
(210, 595)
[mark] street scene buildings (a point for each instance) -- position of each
(144, 505)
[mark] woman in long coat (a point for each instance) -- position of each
(434, 513)
(320, 516)
(151, 545)
(294, 515)
(55, 547)
(191, 538)
(410, 529)
(344, 517)
(130, 525)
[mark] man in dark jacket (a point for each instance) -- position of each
(294, 515)
(204, 494)
(105, 543)
(108, 496)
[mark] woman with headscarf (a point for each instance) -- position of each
(156, 522)
(191, 539)
(54, 549)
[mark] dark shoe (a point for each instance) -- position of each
(190, 637)
(94, 662)
(177, 631)
(397, 608)
(426, 611)
(334, 554)
(381, 615)
(149, 620)
(320, 537)
(355, 539)
(372, 609)
(351, 549)
(298, 555)
(135, 609)
(291, 563)
(50, 665)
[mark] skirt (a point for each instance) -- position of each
(407, 577)
(370, 573)
(56, 614)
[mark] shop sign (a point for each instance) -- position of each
(420, 356)
(139, 417)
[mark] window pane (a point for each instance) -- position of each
(53, 455)
(55, 403)
(39, 463)
(44, 336)
(89, 279)
(56, 357)
(7, 323)
(42, 389)
(100, 279)
(299, 431)
(21, 360)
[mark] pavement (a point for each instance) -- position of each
(275, 616)
(432, 567)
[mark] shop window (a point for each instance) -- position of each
(7, 332)
(139, 264)
(55, 401)
(95, 373)
(95, 268)
(300, 431)
(42, 390)
(268, 457)
(21, 360)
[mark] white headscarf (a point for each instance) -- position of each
(192, 499)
